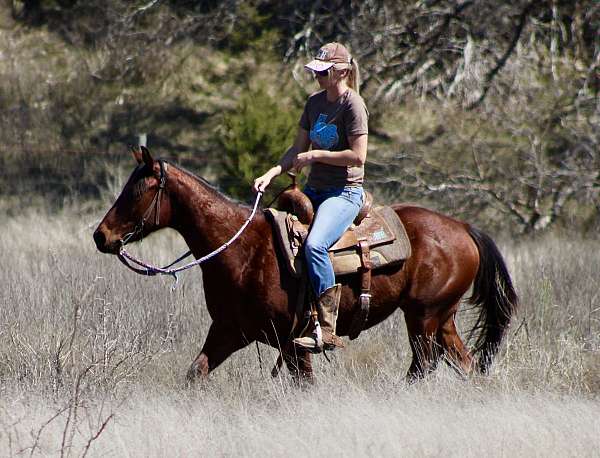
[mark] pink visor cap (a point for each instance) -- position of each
(331, 54)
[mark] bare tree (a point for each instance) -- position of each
(409, 47)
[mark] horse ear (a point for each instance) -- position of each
(147, 157)
(137, 154)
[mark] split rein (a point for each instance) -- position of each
(150, 270)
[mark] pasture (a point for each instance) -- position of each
(93, 361)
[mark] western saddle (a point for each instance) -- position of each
(377, 238)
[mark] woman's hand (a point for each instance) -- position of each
(303, 159)
(261, 183)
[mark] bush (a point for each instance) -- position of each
(254, 136)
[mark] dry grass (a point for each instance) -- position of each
(92, 361)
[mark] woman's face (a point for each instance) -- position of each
(330, 78)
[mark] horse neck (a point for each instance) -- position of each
(202, 215)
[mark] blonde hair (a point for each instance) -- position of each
(353, 77)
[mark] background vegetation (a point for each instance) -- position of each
(485, 109)
(93, 361)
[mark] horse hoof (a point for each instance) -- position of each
(191, 377)
(198, 370)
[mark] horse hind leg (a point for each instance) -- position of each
(423, 343)
(455, 352)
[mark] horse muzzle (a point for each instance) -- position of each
(104, 244)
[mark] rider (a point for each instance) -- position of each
(332, 139)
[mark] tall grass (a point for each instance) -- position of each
(93, 357)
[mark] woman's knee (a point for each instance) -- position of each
(314, 246)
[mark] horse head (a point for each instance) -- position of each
(139, 209)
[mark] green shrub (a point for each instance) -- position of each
(252, 32)
(254, 136)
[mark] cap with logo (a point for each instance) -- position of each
(331, 54)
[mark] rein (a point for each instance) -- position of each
(150, 270)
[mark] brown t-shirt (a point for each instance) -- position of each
(329, 124)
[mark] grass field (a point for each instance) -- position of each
(93, 358)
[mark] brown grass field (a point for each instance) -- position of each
(93, 359)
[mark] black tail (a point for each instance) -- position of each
(494, 293)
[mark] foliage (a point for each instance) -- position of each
(526, 161)
(253, 138)
(252, 32)
(487, 109)
(425, 47)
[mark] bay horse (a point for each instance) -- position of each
(251, 297)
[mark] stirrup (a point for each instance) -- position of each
(312, 343)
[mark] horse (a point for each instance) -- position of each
(251, 297)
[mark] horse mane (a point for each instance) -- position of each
(214, 189)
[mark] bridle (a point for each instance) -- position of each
(154, 205)
(150, 270)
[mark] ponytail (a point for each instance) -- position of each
(354, 76)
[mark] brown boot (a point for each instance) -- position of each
(328, 305)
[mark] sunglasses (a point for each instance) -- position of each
(323, 73)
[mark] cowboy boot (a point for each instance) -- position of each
(328, 304)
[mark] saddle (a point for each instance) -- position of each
(377, 238)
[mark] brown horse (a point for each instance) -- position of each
(251, 297)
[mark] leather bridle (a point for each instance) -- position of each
(154, 205)
(148, 269)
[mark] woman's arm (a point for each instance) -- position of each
(301, 143)
(355, 156)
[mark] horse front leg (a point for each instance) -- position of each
(299, 363)
(222, 341)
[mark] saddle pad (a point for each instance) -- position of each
(384, 250)
(374, 228)
(383, 231)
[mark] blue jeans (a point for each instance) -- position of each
(335, 209)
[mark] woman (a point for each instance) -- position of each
(334, 124)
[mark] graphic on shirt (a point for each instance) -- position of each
(322, 134)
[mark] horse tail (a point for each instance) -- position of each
(494, 294)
